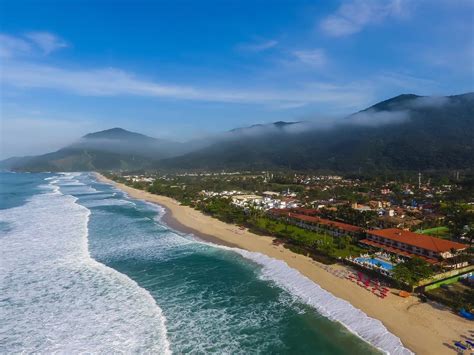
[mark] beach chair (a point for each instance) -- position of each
(470, 343)
(460, 346)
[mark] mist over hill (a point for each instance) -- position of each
(407, 132)
(111, 149)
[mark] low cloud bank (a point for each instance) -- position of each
(397, 113)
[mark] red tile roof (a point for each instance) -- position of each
(418, 240)
(317, 220)
(306, 211)
(397, 251)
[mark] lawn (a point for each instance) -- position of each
(455, 295)
(333, 246)
(441, 232)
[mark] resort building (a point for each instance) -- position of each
(316, 224)
(409, 244)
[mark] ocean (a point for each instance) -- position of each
(85, 268)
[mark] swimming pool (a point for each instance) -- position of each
(377, 262)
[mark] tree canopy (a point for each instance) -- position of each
(412, 271)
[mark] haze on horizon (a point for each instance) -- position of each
(183, 69)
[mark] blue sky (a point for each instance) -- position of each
(181, 69)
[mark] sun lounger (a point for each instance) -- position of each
(404, 294)
(465, 314)
(460, 346)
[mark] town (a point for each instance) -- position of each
(413, 231)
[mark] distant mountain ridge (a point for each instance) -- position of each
(407, 132)
(110, 149)
(116, 133)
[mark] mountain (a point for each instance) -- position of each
(114, 148)
(259, 128)
(13, 161)
(406, 132)
(121, 141)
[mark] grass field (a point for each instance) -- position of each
(333, 246)
(441, 232)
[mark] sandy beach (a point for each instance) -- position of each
(423, 328)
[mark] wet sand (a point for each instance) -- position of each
(424, 328)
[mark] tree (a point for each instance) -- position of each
(412, 271)
(460, 221)
(342, 242)
(393, 258)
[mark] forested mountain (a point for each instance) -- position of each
(407, 132)
(114, 148)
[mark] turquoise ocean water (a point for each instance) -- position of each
(86, 268)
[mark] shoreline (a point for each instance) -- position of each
(421, 327)
(169, 219)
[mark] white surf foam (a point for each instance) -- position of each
(108, 202)
(56, 298)
(369, 329)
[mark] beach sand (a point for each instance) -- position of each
(425, 328)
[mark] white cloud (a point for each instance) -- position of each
(31, 44)
(32, 136)
(352, 16)
(114, 82)
(46, 41)
(313, 57)
(373, 118)
(11, 46)
(259, 46)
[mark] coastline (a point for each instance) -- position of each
(421, 327)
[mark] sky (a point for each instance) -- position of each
(185, 69)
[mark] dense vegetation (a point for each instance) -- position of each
(189, 190)
(366, 219)
(457, 296)
(299, 239)
(412, 271)
(433, 136)
(322, 247)
(421, 134)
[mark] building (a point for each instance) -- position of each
(271, 194)
(317, 224)
(303, 210)
(244, 201)
(409, 244)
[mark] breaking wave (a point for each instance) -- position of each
(369, 329)
(55, 297)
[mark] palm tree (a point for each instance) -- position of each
(454, 253)
(393, 258)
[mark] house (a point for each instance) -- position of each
(409, 244)
(361, 208)
(270, 194)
